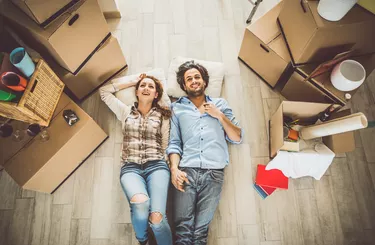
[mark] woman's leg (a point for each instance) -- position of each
(157, 186)
(134, 187)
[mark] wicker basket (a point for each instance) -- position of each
(39, 100)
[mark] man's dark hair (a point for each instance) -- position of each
(191, 65)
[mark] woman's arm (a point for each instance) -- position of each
(118, 107)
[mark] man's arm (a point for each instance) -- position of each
(233, 132)
(174, 152)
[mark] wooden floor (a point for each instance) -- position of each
(90, 208)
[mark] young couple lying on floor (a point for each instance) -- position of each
(192, 135)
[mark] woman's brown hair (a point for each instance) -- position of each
(164, 110)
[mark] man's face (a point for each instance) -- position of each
(194, 83)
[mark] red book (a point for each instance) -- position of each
(273, 178)
(268, 190)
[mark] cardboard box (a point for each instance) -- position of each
(106, 63)
(43, 166)
(340, 143)
(44, 12)
(263, 49)
(301, 110)
(70, 39)
(311, 38)
(319, 89)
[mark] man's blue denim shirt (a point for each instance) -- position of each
(199, 138)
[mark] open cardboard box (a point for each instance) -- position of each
(303, 110)
(263, 48)
(310, 38)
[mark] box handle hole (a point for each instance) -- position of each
(262, 46)
(73, 19)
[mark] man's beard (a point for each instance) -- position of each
(195, 93)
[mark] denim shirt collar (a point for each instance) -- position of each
(185, 99)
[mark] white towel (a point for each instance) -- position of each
(313, 160)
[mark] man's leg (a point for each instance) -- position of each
(184, 215)
(207, 201)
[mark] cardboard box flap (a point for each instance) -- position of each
(354, 16)
(279, 46)
(304, 27)
(297, 109)
(276, 131)
(265, 28)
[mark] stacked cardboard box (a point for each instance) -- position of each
(306, 41)
(72, 44)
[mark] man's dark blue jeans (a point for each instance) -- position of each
(195, 208)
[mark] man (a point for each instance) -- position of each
(198, 153)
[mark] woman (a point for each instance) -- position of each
(144, 173)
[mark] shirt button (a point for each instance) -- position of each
(201, 151)
(201, 128)
(195, 108)
(201, 138)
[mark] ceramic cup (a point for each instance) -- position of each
(21, 59)
(348, 75)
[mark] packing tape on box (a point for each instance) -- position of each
(336, 126)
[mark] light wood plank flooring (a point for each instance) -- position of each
(90, 208)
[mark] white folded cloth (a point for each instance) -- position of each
(313, 160)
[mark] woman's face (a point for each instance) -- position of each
(147, 90)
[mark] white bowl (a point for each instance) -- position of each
(348, 75)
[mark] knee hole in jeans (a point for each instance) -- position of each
(139, 198)
(155, 217)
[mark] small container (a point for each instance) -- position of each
(18, 135)
(21, 59)
(44, 135)
(33, 129)
(6, 130)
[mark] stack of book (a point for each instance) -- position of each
(267, 181)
